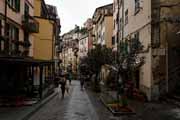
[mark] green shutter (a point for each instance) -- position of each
(18, 5)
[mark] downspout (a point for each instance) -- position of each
(5, 21)
(122, 20)
(117, 37)
(166, 53)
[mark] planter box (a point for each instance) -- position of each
(115, 113)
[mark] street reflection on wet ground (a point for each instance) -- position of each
(75, 106)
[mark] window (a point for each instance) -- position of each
(114, 24)
(136, 36)
(137, 6)
(113, 40)
(117, 37)
(134, 45)
(15, 33)
(13, 36)
(12, 33)
(126, 17)
(120, 24)
(14, 4)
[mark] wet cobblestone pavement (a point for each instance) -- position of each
(75, 106)
(85, 105)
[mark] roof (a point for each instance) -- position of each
(102, 7)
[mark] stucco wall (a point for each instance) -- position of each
(2, 6)
(43, 40)
(15, 18)
(137, 21)
(115, 22)
(108, 31)
(37, 9)
(83, 47)
(141, 22)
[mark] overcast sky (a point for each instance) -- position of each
(73, 12)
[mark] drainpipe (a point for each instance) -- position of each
(5, 16)
(5, 21)
(117, 37)
(122, 20)
(166, 53)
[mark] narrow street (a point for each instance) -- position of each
(75, 106)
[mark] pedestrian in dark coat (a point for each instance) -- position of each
(82, 82)
(63, 86)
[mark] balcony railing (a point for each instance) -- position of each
(30, 24)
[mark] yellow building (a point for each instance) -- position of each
(44, 40)
(44, 44)
(103, 25)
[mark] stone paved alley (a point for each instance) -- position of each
(75, 106)
(84, 105)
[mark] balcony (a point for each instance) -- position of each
(30, 24)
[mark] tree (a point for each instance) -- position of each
(129, 61)
(96, 58)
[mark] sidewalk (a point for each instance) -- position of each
(153, 111)
(144, 110)
(22, 113)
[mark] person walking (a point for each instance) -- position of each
(82, 82)
(63, 86)
(70, 78)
